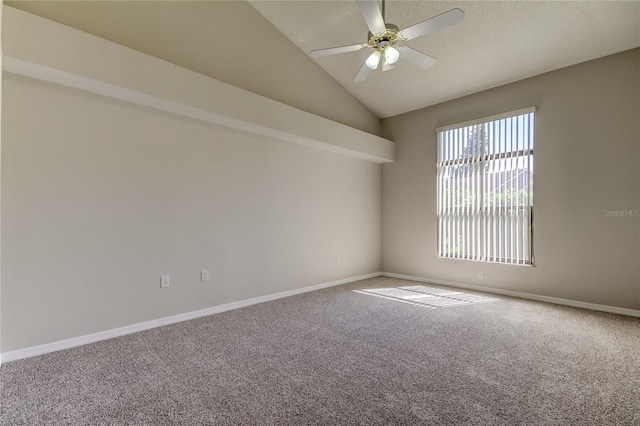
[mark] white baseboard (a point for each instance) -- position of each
(134, 328)
(549, 299)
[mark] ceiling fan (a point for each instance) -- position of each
(384, 37)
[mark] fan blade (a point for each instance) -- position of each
(336, 50)
(362, 73)
(372, 15)
(416, 58)
(432, 24)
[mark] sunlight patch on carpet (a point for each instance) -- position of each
(428, 297)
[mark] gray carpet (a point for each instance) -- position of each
(338, 356)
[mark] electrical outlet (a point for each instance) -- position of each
(481, 275)
(337, 258)
(164, 281)
(204, 275)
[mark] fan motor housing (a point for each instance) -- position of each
(380, 40)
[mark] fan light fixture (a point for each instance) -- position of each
(373, 60)
(391, 54)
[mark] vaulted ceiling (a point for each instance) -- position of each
(497, 42)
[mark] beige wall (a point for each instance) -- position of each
(226, 40)
(587, 158)
(101, 197)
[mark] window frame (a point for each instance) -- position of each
(483, 159)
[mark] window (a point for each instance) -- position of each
(485, 189)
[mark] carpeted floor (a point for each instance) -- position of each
(364, 353)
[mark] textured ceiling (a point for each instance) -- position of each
(497, 43)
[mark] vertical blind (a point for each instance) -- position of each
(485, 189)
